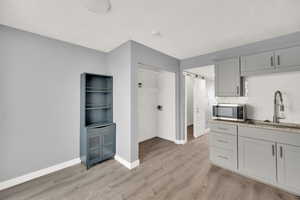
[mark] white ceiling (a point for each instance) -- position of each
(188, 27)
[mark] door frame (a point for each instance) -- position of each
(159, 69)
(184, 120)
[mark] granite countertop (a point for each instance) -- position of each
(286, 127)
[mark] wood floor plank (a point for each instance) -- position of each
(167, 172)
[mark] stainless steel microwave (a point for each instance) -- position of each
(232, 112)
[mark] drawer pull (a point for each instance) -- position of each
(222, 141)
(223, 157)
(281, 152)
(273, 150)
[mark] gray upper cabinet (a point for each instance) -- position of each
(281, 60)
(288, 59)
(228, 78)
(257, 64)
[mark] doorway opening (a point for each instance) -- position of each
(156, 110)
(199, 98)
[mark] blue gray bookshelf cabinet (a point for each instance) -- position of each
(97, 130)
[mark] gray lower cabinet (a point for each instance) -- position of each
(257, 158)
(228, 78)
(257, 63)
(223, 145)
(100, 144)
(268, 155)
(288, 164)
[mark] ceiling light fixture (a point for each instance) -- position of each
(98, 6)
(156, 33)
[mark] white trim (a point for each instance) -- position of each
(36, 174)
(180, 141)
(129, 165)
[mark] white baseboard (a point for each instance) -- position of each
(36, 174)
(129, 165)
(180, 141)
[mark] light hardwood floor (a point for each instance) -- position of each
(168, 171)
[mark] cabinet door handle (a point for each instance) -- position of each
(273, 150)
(278, 60)
(237, 90)
(281, 152)
(272, 62)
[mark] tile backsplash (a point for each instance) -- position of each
(260, 93)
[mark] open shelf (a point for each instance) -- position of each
(98, 99)
(98, 90)
(99, 124)
(98, 107)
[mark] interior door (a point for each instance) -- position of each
(257, 158)
(166, 99)
(147, 103)
(200, 106)
(289, 166)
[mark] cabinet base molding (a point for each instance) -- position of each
(36, 174)
(129, 165)
(296, 193)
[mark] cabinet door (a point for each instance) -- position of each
(257, 158)
(227, 80)
(286, 58)
(289, 166)
(257, 63)
(109, 144)
(94, 148)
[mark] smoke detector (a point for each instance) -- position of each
(98, 6)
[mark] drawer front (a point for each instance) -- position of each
(224, 141)
(223, 128)
(223, 158)
(280, 136)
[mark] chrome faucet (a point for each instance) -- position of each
(278, 107)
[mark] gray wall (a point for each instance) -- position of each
(142, 54)
(40, 100)
(123, 64)
(119, 65)
(208, 59)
